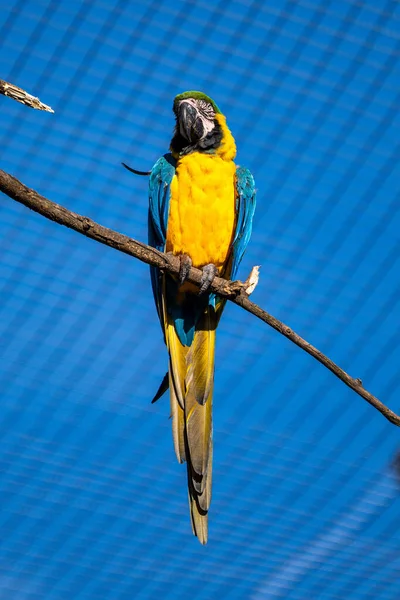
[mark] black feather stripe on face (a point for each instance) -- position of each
(206, 109)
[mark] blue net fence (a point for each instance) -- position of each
(306, 493)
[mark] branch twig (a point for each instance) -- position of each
(233, 290)
(20, 95)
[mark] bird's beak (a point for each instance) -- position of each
(190, 123)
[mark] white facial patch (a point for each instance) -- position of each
(208, 125)
(205, 112)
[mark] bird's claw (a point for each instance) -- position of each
(209, 273)
(184, 268)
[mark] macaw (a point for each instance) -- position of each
(201, 208)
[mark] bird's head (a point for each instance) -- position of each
(195, 115)
(197, 124)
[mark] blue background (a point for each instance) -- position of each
(306, 499)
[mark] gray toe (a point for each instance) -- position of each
(209, 273)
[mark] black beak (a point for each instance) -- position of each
(190, 124)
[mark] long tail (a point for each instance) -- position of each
(191, 381)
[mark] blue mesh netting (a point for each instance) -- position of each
(305, 500)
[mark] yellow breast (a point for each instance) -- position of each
(201, 218)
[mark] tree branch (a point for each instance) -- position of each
(20, 95)
(233, 290)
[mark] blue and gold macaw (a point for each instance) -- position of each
(201, 209)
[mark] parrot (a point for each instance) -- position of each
(201, 207)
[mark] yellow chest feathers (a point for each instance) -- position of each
(202, 209)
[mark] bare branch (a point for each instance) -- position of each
(233, 290)
(18, 94)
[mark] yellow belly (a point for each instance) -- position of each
(201, 218)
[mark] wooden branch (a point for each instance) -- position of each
(20, 95)
(233, 290)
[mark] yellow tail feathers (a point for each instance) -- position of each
(191, 380)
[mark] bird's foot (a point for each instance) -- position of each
(209, 273)
(184, 268)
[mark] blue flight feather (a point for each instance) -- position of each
(245, 207)
(159, 196)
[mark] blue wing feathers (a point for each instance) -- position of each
(159, 194)
(246, 204)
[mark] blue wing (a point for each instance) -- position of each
(245, 206)
(159, 196)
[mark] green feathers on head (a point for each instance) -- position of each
(196, 96)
